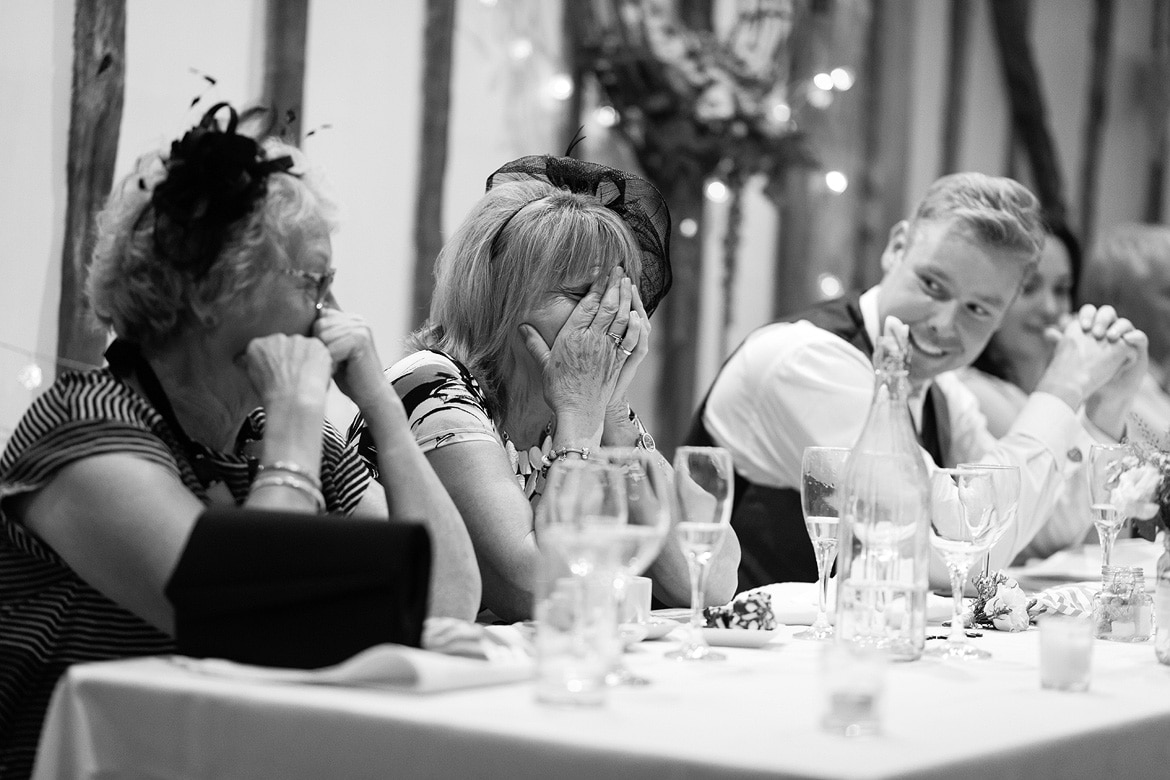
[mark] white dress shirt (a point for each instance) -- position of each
(791, 385)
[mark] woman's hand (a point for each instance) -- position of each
(583, 366)
(635, 342)
(357, 368)
(288, 370)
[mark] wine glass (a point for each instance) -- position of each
(1104, 469)
(964, 521)
(579, 523)
(1006, 480)
(820, 470)
(647, 484)
(704, 482)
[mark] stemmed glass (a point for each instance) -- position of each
(964, 521)
(1006, 480)
(704, 482)
(647, 485)
(820, 470)
(1104, 469)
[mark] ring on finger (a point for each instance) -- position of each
(616, 338)
(624, 351)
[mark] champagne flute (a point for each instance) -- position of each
(964, 521)
(704, 482)
(1006, 481)
(1104, 470)
(820, 470)
(647, 485)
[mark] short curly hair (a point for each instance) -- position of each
(134, 291)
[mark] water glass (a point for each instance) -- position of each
(853, 676)
(576, 640)
(578, 532)
(1066, 652)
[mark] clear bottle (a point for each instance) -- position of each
(884, 547)
(1122, 610)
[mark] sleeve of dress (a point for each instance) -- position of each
(443, 403)
(83, 414)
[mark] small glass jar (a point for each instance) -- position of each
(1122, 610)
(1162, 603)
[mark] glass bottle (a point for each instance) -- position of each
(1162, 603)
(883, 558)
(1122, 610)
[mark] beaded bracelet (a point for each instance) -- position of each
(292, 468)
(294, 482)
(547, 460)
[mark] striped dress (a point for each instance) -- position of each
(49, 617)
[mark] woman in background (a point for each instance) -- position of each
(1010, 367)
(538, 324)
(1017, 355)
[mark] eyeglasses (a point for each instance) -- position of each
(321, 279)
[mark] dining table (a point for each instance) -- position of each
(758, 713)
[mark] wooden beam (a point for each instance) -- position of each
(886, 87)
(95, 119)
(286, 25)
(956, 86)
(1159, 104)
(1096, 115)
(1026, 96)
(438, 38)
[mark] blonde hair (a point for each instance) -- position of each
(522, 239)
(993, 210)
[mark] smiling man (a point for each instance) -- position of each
(950, 273)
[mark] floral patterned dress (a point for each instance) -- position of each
(446, 405)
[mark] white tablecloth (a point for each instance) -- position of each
(756, 714)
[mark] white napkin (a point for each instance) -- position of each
(381, 666)
(795, 603)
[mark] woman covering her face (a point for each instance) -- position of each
(212, 268)
(539, 321)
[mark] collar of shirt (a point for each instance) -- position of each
(868, 303)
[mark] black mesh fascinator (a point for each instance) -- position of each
(214, 178)
(632, 198)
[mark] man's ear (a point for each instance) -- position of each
(895, 246)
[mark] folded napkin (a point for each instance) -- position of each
(383, 666)
(795, 603)
(1074, 599)
(458, 655)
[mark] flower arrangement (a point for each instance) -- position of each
(1000, 603)
(1140, 483)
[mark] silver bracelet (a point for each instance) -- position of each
(294, 482)
(292, 468)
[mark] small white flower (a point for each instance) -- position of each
(1134, 494)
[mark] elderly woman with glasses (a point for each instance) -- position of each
(538, 324)
(212, 269)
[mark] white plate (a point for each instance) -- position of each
(660, 627)
(738, 637)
